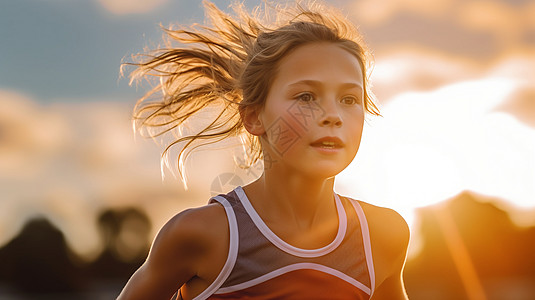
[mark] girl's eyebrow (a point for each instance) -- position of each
(317, 83)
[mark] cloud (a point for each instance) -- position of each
(378, 12)
(476, 29)
(124, 7)
(29, 134)
(416, 70)
(519, 66)
(69, 161)
(521, 104)
(30, 138)
(413, 69)
(507, 22)
(431, 145)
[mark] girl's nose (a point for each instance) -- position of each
(331, 117)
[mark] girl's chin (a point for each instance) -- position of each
(318, 166)
(323, 171)
(312, 171)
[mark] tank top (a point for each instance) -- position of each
(260, 265)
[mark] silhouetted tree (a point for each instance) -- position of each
(125, 233)
(36, 262)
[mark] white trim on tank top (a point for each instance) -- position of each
(284, 246)
(232, 251)
(367, 242)
(291, 268)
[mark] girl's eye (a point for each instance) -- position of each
(305, 97)
(350, 100)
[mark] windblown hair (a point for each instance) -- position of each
(230, 64)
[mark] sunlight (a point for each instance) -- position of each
(430, 146)
(460, 255)
(436, 175)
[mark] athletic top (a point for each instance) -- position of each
(260, 265)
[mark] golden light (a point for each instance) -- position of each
(430, 146)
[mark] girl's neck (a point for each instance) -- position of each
(303, 200)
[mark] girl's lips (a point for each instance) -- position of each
(328, 145)
(328, 142)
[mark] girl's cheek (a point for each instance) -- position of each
(292, 124)
(283, 133)
(305, 114)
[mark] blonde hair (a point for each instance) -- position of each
(231, 63)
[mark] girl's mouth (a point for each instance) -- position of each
(328, 143)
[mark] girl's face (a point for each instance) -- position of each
(313, 116)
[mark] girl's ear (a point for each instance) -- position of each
(251, 120)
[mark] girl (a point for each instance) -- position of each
(298, 91)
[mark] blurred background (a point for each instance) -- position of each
(81, 197)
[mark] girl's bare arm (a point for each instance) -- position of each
(175, 257)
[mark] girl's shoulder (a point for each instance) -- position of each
(389, 238)
(191, 235)
(385, 223)
(195, 242)
(190, 247)
(197, 226)
(387, 227)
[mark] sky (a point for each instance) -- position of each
(454, 79)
